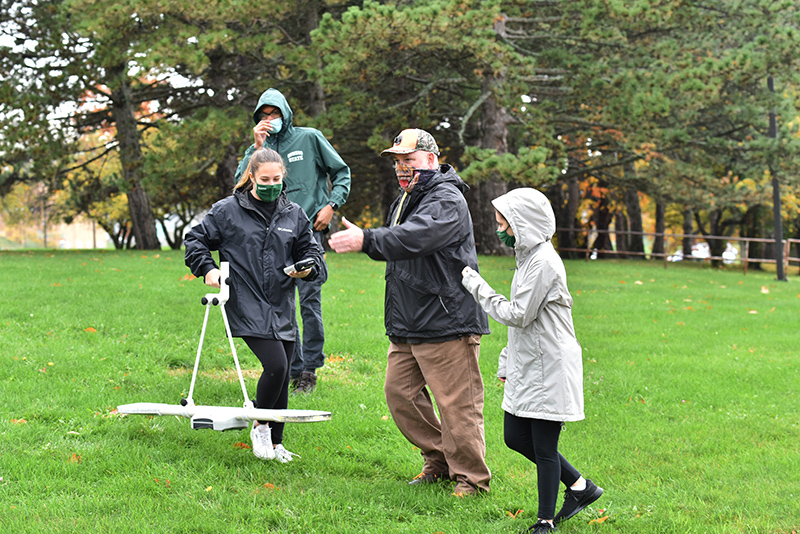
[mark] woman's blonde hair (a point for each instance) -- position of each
(259, 157)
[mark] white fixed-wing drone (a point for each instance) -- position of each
(221, 417)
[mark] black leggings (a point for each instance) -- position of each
(537, 440)
(273, 385)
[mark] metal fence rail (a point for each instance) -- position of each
(741, 258)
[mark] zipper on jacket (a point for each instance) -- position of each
(399, 208)
(443, 306)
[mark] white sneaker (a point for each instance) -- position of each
(282, 455)
(261, 436)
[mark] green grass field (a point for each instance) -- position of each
(692, 388)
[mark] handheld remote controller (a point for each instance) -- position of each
(301, 265)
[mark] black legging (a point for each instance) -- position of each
(273, 385)
(537, 440)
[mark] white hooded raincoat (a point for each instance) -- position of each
(542, 363)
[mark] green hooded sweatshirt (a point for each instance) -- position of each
(310, 160)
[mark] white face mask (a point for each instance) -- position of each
(276, 124)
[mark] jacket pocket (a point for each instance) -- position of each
(526, 373)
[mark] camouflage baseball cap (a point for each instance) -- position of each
(412, 140)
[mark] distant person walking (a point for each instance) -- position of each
(312, 163)
(433, 325)
(541, 365)
(259, 232)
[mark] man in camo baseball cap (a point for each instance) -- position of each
(412, 140)
(434, 326)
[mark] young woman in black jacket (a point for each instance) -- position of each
(259, 232)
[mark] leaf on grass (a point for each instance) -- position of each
(752, 312)
(75, 459)
(269, 485)
(19, 421)
(188, 276)
(209, 488)
(765, 290)
(240, 445)
(90, 330)
(56, 284)
(599, 519)
(513, 515)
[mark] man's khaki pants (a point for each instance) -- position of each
(455, 444)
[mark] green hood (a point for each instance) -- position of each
(273, 97)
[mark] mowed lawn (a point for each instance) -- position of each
(692, 389)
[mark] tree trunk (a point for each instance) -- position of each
(688, 226)
(753, 227)
(568, 217)
(129, 239)
(219, 80)
(484, 223)
(116, 233)
(130, 155)
(316, 93)
(602, 221)
(715, 246)
(621, 236)
(634, 209)
(494, 135)
(226, 171)
(658, 242)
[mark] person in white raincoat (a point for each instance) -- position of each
(541, 365)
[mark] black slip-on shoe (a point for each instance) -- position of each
(575, 501)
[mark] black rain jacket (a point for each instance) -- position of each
(425, 251)
(262, 299)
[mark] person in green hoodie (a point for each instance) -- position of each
(312, 162)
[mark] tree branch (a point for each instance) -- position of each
(475, 105)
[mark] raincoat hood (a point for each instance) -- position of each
(273, 97)
(530, 215)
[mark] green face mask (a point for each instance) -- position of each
(268, 193)
(509, 240)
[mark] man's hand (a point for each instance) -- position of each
(261, 132)
(212, 277)
(323, 218)
(349, 240)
